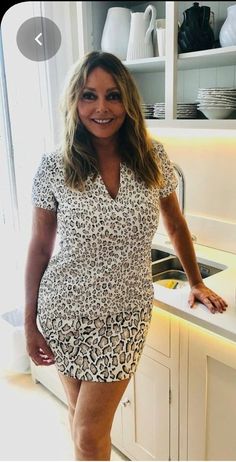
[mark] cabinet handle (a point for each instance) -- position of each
(125, 402)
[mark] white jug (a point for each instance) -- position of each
(227, 34)
(116, 31)
(140, 39)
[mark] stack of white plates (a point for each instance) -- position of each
(184, 110)
(159, 111)
(148, 110)
(216, 102)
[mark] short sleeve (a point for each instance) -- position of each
(42, 194)
(169, 178)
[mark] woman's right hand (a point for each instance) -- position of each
(37, 348)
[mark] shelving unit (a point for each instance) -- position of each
(177, 76)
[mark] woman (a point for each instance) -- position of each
(102, 189)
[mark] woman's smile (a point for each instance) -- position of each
(102, 121)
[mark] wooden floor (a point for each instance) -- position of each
(34, 423)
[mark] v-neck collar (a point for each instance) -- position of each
(113, 199)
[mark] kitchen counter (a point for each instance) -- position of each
(175, 301)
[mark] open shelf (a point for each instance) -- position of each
(197, 59)
(146, 64)
(207, 58)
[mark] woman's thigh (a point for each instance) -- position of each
(72, 388)
(96, 405)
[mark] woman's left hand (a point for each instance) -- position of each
(210, 299)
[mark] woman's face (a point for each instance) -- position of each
(100, 107)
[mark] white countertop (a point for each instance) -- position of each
(175, 301)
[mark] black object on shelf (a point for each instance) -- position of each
(195, 32)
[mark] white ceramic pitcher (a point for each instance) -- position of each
(227, 34)
(140, 39)
(116, 30)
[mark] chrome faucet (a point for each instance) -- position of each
(182, 192)
(181, 186)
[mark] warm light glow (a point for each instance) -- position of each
(192, 135)
(189, 141)
(191, 325)
(208, 161)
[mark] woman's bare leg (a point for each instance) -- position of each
(91, 408)
(93, 417)
(72, 388)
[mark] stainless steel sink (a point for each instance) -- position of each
(171, 270)
(175, 275)
(159, 254)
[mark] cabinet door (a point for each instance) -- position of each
(48, 376)
(211, 397)
(117, 428)
(159, 334)
(146, 416)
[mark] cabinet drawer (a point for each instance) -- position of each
(159, 332)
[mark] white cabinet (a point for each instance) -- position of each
(175, 77)
(48, 376)
(146, 422)
(198, 369)
(141, 427)
(146, 425)
(211, 397)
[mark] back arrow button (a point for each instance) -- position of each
(37, 39)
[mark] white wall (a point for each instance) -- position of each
(208, 160)
(28, 116)
(33, 93)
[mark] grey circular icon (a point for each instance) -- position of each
(38, 38)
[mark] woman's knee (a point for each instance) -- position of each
(90, 438)
(71, 411)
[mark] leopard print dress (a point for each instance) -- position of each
(95, 297)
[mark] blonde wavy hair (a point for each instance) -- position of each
(79, 155)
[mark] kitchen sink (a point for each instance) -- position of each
(159, 254)
(169, 272)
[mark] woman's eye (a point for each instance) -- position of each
(88, 95)
(114, 96)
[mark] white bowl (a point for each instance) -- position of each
(216, 112)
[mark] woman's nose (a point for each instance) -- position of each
(102, 105)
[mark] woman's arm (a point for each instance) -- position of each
(179, 234)
(40, 250)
